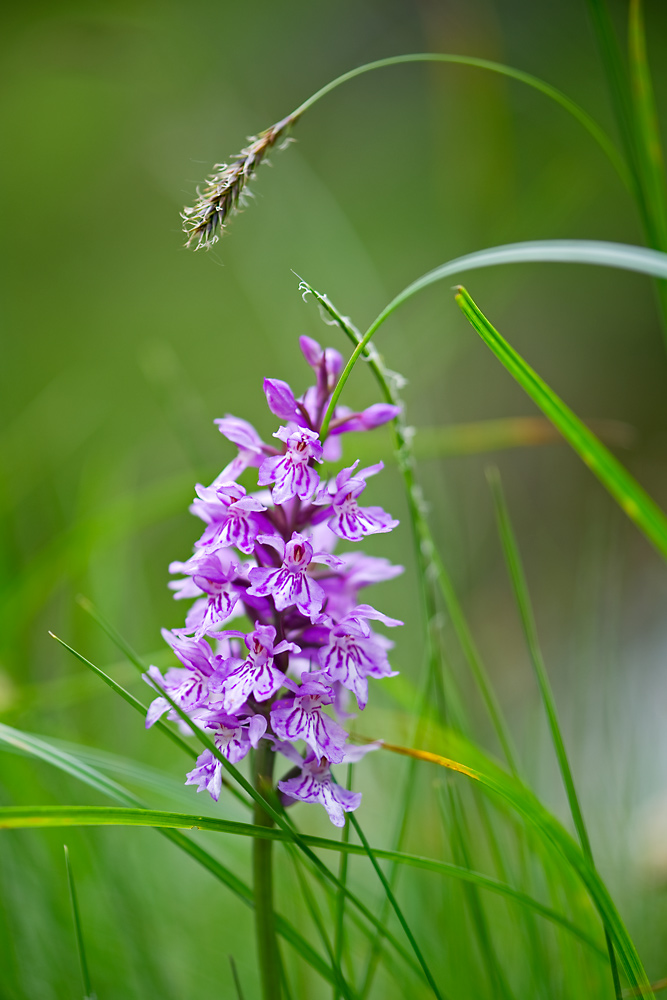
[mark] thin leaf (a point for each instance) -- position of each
(491, 777)
(235, 977)
(646, 124)
(536, 83)
(20, 817)
(523, 602)
(88, 993)
(396, 908)
(627, 492)
(38, 747)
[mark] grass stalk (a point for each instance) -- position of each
(88, 993)
(522, 598)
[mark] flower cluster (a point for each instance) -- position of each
(268, 556)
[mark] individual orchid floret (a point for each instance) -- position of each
(353, 653)
(252, 450)
(349, 520)
(292, 474)
(315, 783)
(233, 737)
(291, 584)
(230, 515)
(256, 676)
(302, 718)
(215, 577)
(187, 686)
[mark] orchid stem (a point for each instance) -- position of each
(262, 863)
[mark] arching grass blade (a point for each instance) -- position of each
(627, 492)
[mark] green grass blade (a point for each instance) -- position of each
(627, 492)
(35, 817)
(522, 599)
(396, 908)
(578, 113)
(341, 987)
(235, 977)
(646, 124)
(524, 605)
(339, 933)
(617, 82)
(88, 993)
(594, 252)
(492, 778)
(129, 698)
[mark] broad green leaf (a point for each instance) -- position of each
(627, 492)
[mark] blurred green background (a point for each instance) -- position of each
(120, 348)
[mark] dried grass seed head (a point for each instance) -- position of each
(226, 189)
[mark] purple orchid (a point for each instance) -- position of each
(353, 653)
(349, 520)
(230, 515)
(302, 718)
(292, 473)
(187, 686)
(291, 584)
(315, 784)
(252, 450)
(256, 675)
(311, 638)
(233, 737)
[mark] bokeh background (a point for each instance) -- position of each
(120, 347)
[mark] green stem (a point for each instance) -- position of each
(262, 865)
(591, 126)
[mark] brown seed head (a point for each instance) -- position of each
(226, 190)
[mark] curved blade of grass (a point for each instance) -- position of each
(494, 779)
(88, 993)
(620, 97)
(40, 748)
(591, 126)
(35, 817)
(619, 255)
(524, 605)
(627, 492)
